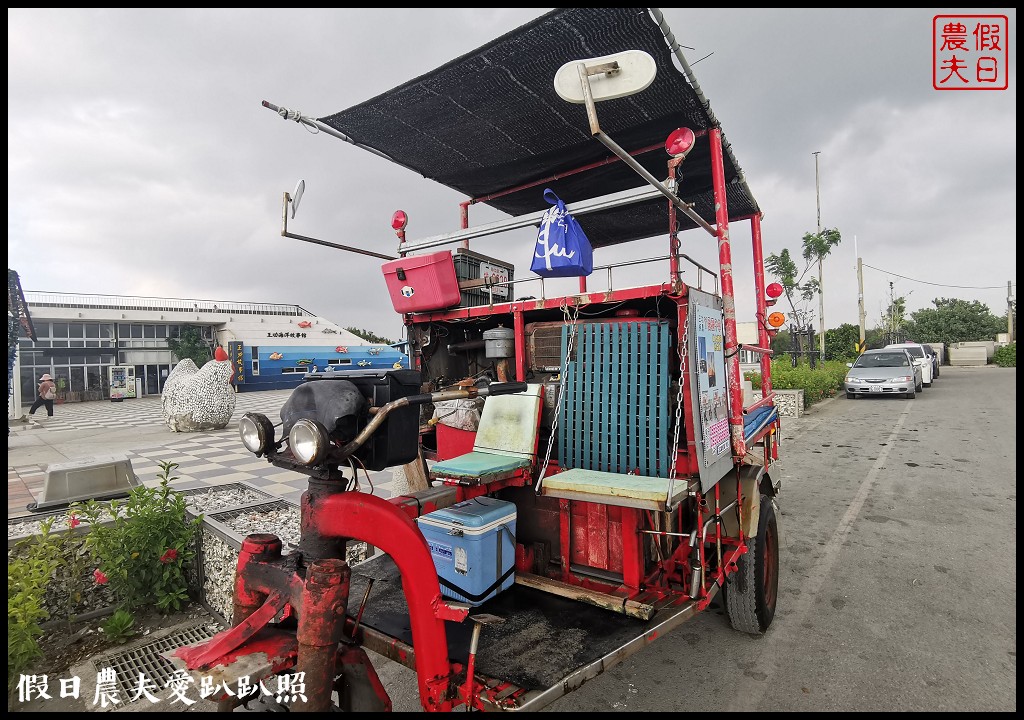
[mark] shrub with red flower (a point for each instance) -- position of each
(74, 522)
(169, 556)
(101, 579)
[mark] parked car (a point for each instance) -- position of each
(930, 351)
(886, 371)
(921, 359)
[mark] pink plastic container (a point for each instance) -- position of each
(418, 283)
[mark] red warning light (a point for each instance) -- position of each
(680, 142)
(774, 290)
(399, 220)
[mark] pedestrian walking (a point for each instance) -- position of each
(46, 395)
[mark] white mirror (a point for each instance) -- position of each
(300, 188)
(636, 71)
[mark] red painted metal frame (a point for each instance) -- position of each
(360, 516)
(763, 336)
(739, 448)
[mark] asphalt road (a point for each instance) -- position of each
(898, 583)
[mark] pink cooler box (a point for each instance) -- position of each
(418, 283)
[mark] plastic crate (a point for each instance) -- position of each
(474, 266)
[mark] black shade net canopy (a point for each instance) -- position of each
(490, 122)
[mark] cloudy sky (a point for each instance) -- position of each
(141, 162)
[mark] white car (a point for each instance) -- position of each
(921, 359)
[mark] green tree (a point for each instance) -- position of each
(799, 289)
(370, 336)
(842, 342)
(893, 320)
(953, 320)
(190, 344)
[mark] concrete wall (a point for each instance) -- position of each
(968, 356)
(988, 345)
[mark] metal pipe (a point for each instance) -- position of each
(763, 401)
(583, 207)
(298, 117)
(677, 51)
(739, 445)
(761, 313)
(704, 531)
(304, 238)
(657, 184)
(362, 606)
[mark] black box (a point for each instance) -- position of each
(396, 441)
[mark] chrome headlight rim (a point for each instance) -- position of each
(256, 426)
(315, 436)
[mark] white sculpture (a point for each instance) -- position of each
(198, 399)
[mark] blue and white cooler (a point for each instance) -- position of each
(473, 544)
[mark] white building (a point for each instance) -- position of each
(81, 337)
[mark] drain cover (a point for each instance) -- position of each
(146, 659)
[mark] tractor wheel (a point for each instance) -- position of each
(751, 593)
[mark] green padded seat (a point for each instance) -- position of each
(506, 440)
(479, 465)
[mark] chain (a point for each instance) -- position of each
(573, 318)
(679, 412)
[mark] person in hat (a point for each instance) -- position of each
(46, 395)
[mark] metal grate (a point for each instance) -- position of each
(615, 408)
(146, 660)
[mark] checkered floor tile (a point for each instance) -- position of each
(203, 458)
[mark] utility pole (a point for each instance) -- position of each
(1009, 311)
(821, 283)
(860, 291)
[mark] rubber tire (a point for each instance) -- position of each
(749, 606)
(910, 395)
(851, 396)
(919, 388)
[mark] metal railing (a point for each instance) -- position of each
(158, 304)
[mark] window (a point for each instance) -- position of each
(92, 330)
(255, 360)
(340, 361)
(161, 331)
(149, 331)
(136, 331)
(60, 330)
(106, 330)
(76, 330)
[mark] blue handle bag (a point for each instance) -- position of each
(562, 248)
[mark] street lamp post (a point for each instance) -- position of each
(821, 283)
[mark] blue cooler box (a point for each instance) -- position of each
(473, 544)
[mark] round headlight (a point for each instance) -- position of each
(308, 441)
(256, 432)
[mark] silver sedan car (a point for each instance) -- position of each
(888, 371)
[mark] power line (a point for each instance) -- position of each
(962, 287)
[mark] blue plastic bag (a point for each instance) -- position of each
(562, 248)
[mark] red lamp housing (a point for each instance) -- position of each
(399, 220)
(680, 142)
(774, 290)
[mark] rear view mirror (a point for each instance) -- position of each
(849, 364)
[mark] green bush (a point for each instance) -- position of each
(28, 574)
(144, 552)
(825, 381)
(1006, 356)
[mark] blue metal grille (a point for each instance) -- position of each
(615, 415)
